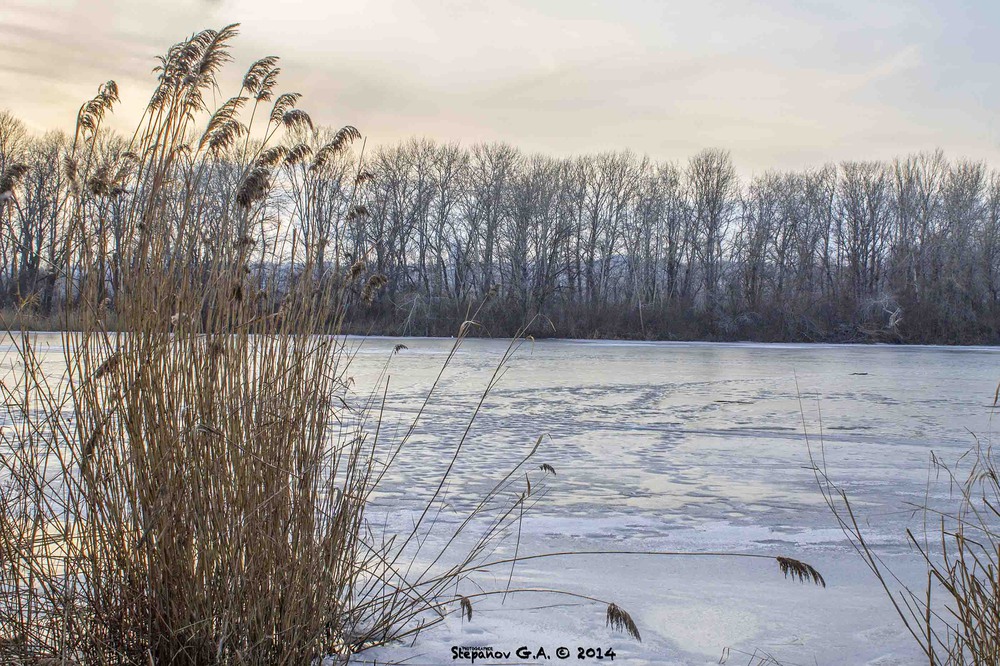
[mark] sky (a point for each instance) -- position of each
(781, 84)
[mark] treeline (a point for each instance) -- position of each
(608, 245)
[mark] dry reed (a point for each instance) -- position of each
(193, 487)
(954, 617)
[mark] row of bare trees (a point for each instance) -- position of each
(612, 244)
(618, 245)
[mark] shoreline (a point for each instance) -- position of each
(791, 343)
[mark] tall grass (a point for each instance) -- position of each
(954, 616)
(194, 484)
(192, 490)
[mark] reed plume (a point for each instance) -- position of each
(619, 620)
(797, 569)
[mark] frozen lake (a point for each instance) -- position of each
(686, 446)
(696, 446)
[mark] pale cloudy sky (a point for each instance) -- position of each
(780, 83)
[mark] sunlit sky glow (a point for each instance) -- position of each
(782, 84)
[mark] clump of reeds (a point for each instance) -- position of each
(955, 616)
(193, 488)
(180, 495)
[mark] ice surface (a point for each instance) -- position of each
(684, 446)
(695, 446)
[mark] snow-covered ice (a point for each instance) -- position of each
(684, 447)
(694, 447)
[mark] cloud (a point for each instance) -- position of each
(782, 84)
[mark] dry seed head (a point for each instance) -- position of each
(100, 184)
(356, 269)
(267, 84)
(341, 140)
(255, 77)
(800, 570)
(92, 112)
(226, 135)
(294, 118)
(344, 137)
(372, 286)
(619, 620)
(254, 187)
(213, 54)
(223, 127)
(284, 103)
(71, 167)
(265, 89)
(547, 468)
(466, 608)
(11, 177)
(297, 154)
(272, 156)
